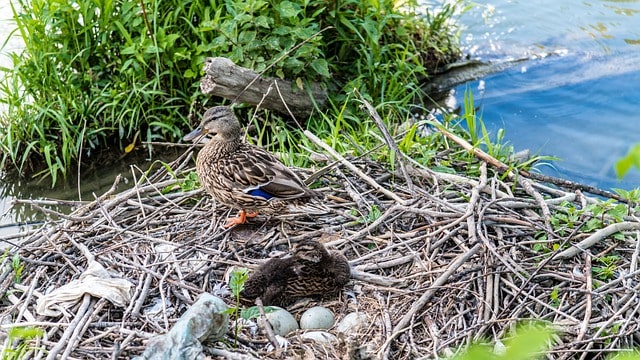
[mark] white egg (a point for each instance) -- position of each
(317, 317)
(352, 323)
(319, 336)
(282, 321)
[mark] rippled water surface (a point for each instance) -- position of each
(580, 100)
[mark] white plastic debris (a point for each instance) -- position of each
(201, 323)
(96, 281)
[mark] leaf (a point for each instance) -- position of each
(631, 159)
(24, 332)
(263, 21)
(228, 311)
(321, 67)
(250, 313)
(635, 355)
(189, 74)
(287, 9)
(129, 148)
(528, 342)
(253, 312)
(476, 352)
(237, 280)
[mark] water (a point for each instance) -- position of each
(580, 103)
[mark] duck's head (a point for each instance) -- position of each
(219, 123)
(310, 250)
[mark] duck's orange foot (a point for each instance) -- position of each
(240, 219)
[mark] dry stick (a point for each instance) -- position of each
(518, 290)
(501, 166)
(135, 313)
(452, 178)
(86, 301)
(386, 321)
(230, 355)
(435, 286)
(596, 237)
(353, 168)
(119, 347)
(617, 315)
(267, 326)
(82, 327)
(388, 263)
(373, 114)
(375, 279)
(163, 299)
(372, 226)
(135, 179)
(84, 128)
(587, 312)
(575, 186)
(27, 299)
(629, 315)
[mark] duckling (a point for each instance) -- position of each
(310, 271)
(240, 175)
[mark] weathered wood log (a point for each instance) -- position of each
(225, 79)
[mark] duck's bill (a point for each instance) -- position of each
(196, 133)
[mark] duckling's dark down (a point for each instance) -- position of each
(310, 271)
(240, 175)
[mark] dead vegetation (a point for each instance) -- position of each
(439, 261)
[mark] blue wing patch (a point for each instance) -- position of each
(260, 193)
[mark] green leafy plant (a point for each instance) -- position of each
(632, 197)
(18, 267)
(18, 341)
(555, 297)
(236, 283)
(630, 355)
(632, 159)
(608, 267)
(528, 342)
(190, 181)
(566, 218)
(374, 213)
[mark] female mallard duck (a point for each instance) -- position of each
(241, 175)
(310, 271)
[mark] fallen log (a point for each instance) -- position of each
(225, 79)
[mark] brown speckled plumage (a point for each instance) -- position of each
(241, 175)
(310, 271)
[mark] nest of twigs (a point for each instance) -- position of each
(448, 261)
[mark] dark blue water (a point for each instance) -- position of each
(581, 102)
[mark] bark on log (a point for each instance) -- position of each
(225, 79)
